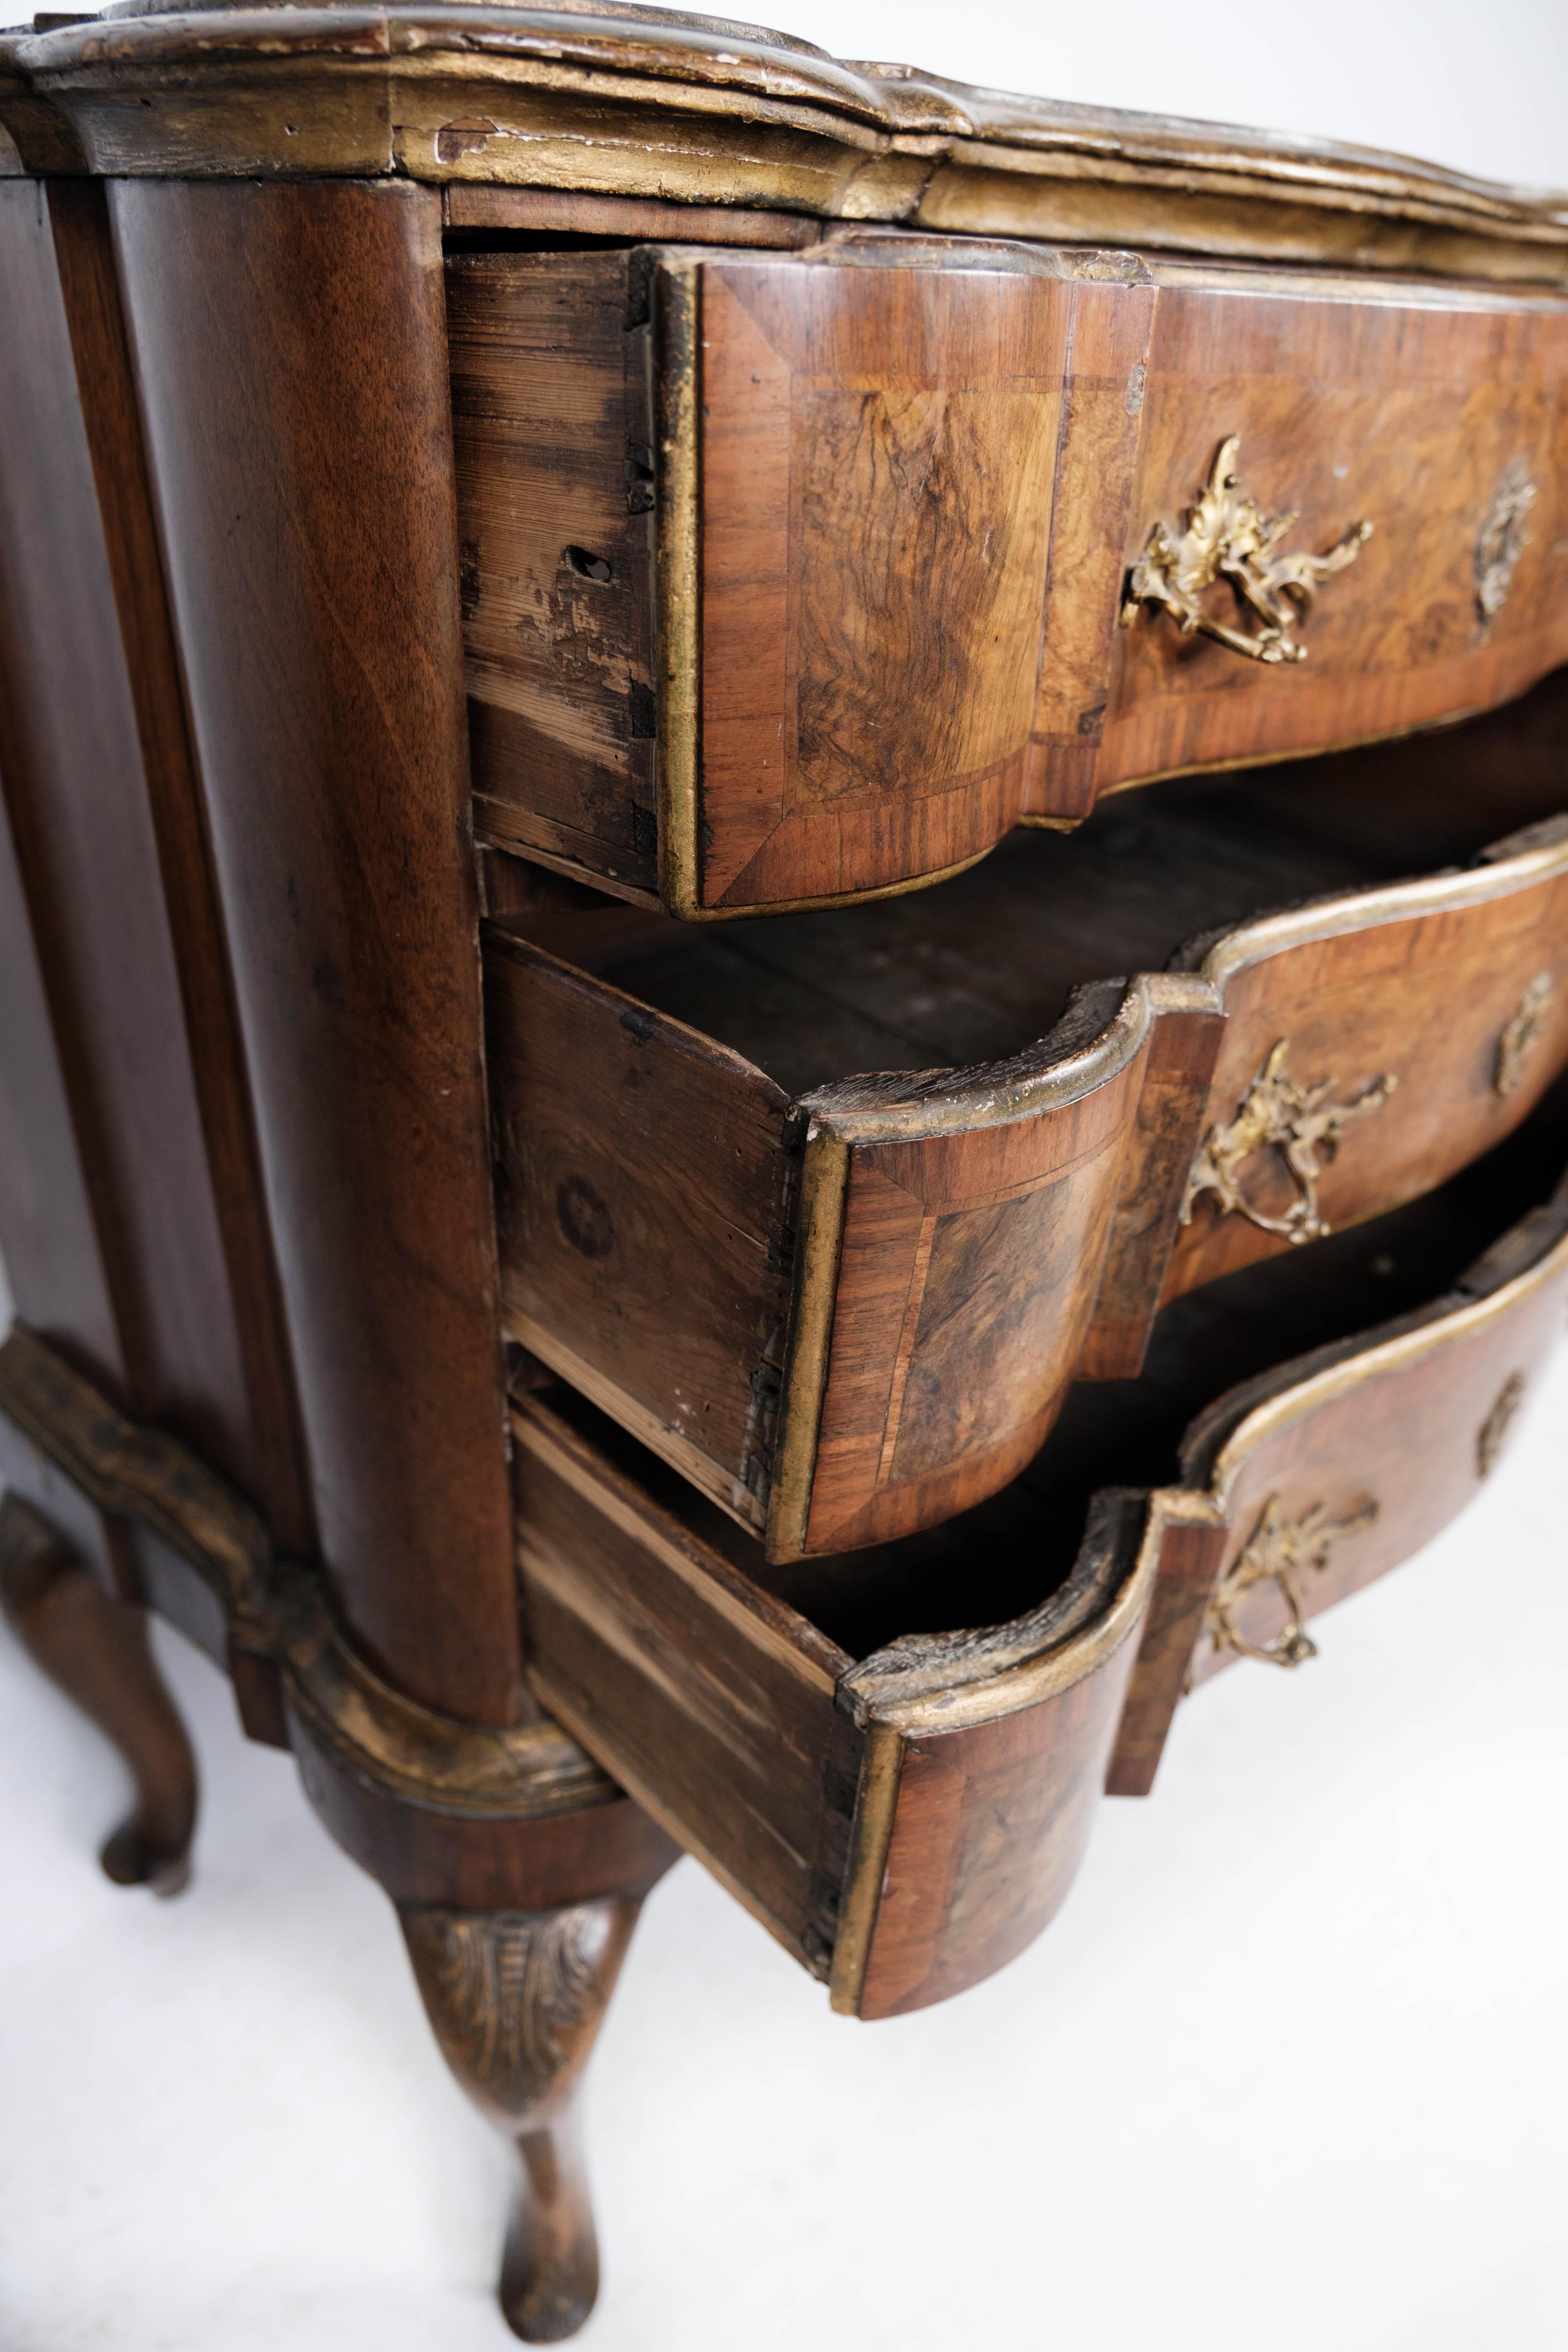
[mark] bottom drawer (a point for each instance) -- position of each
(905, 1806)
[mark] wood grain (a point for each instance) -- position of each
(291, 362)
(1357, 1443)
(81, 743)
(877, 450)
(556, 530)
(96, 1649)
(967, 1276)
(642, 1201)
(990, 1833)
(1425, 1000)
(714, 1701)
(557, 212)
(1350, 402)
(79, 220)
(925, 468)
(1330, 1434)
(741, 1726)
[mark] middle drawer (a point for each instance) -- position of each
(847, 1307)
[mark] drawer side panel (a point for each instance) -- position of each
(642, 1203)
(555, 522)
(712, 1704)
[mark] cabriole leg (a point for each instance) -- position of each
(516, 2000)
(96, 1649)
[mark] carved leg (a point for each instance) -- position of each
(516, 2000)
(96, 1649)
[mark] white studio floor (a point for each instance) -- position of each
(1287, 2073)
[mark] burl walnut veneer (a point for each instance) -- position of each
(513, 526)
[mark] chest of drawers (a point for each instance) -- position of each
(639, 1185)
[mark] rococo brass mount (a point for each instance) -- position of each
(1278, 1551)
(1295, 1121)
(1227, 536)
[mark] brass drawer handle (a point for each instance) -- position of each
(1227, 536)
(1294, 1121)
(1278, 1551)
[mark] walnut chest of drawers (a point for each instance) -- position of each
(640, 1186)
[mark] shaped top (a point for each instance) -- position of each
(650, 102)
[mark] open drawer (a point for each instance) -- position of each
(905, 1806)
(796, 577)
(849, 1309)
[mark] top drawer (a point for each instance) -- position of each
(797, 578)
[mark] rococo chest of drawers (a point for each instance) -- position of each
(639, 1185)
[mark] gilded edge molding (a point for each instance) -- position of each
(713, 111)
(1496, 874)
(824, 1189)
(1278, 1413)
(676, 340)
(277, 1607)
(870, 1837)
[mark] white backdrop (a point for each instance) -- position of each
(1287, 2073)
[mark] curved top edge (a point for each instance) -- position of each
(706, 52)
(1383, 1350)
(1102, 1032)
(1537, 854)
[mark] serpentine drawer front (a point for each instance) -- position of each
(796, 577)
(904, 1824)
(848, 1315)
(906, 1817)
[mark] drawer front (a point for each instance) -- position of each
(1441, 423)
(1305, 1486)
(905, 1824)
(790, 578)
(1372, 1047)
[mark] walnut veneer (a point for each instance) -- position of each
(637, 1189)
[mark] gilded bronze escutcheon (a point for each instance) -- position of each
(1495, 1428)
(1227, 536)
(1522, 1033)
(1299, 1123)
(1502, 538)
(1279, 1552)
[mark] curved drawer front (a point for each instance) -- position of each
(1372, 1045)
(905, 1824)
(849, 1318)
(1439, 423)
(795, 577)
(844, 1320)
(1302, 1488)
